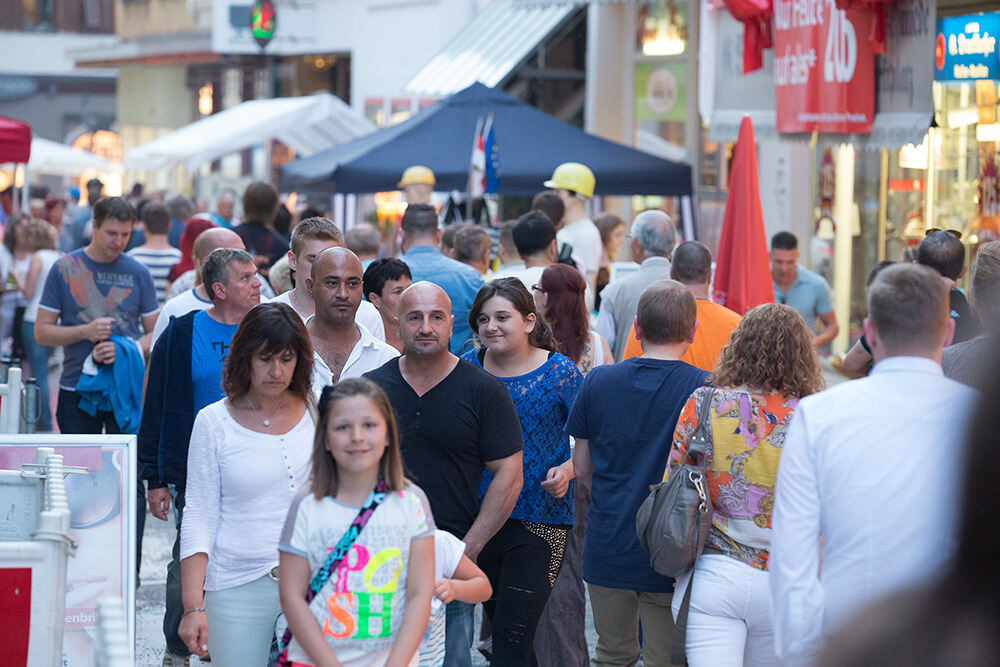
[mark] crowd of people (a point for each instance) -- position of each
(357, 448)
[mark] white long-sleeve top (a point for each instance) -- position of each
(240, 484)
(873, 465)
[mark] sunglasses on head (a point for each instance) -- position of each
(954, 232)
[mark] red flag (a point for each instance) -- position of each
(743, 266)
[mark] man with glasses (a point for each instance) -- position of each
(802, 289)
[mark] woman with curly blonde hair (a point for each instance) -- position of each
(768, 364)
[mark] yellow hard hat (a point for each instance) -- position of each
(417, 174)
(573, 176)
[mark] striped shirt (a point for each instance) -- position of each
(158, 262)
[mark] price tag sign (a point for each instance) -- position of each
(824, 68)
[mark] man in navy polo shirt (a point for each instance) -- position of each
(623, 421)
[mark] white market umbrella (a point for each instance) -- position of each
(306, 124)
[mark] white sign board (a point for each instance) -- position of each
(102, 514)
(300, 28)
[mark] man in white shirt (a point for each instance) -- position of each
(309, 238)
(574, 183)
(653, 238)
(873, 466)
(196, 298)
(343, 347)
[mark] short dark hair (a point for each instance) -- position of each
(471, 243)
(112, 207)
(269, 328)
(380, 271)
(549, 203)
(260, 202)
(908, 305)
(533, 233)
(155, 216)
(784, 241)
(691, 263)
(667, 312)
(315, 229)
(449, 233)
(943, 252)
(216, 267)
(419, 220)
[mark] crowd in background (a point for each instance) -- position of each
(361, 442)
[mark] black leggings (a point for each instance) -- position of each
(522, 562)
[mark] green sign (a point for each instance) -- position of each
(660, 91)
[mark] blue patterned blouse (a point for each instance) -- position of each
(543, 398)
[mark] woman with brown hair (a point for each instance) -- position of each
(523, 559)
(250, 454)
(768, 364)
(559, 296)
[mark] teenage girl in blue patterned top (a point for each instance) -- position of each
(523, 558)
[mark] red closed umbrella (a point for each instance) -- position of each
(743, 266)
(15, 140)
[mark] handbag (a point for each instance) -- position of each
(338, 554)
(674, 520)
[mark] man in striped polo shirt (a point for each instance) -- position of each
(156, 254)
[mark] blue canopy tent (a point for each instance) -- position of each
(530, 145)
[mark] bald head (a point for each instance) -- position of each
(335, 285)
(425, 320)
(338, 259)
(213, 239)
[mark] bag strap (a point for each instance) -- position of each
(701, 441)
(701, 438)
(338, 554)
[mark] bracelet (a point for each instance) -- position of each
(191, 611)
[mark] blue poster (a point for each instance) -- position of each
(966, 48)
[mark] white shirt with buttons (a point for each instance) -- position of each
(240, 484)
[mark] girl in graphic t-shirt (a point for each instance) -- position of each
(374, 607)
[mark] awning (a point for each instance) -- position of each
(55, 159)
(306, 124)
(488, 49)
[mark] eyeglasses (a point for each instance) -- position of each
(538, 288)
(954, 232)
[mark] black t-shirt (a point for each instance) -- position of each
(966, 323)
(449, 433)
(261, 240)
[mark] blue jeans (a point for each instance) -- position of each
(38, 359)
(458, 632)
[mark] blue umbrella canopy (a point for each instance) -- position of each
(530, 145)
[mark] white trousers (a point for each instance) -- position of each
(241, 623)
(729, 621)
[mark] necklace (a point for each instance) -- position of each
(265, 422)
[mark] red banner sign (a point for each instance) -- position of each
(824, 68)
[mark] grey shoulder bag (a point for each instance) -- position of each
(674, 520)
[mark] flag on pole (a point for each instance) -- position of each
(485, 164)
(743, 267)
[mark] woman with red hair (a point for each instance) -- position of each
(560, 638)
(559, 296)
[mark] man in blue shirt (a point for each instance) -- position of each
(421, 238)
(185, 375)
(802, 289)
(623, 421)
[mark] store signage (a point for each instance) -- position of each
(824, 68)
(242, 26)
(966, 47)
